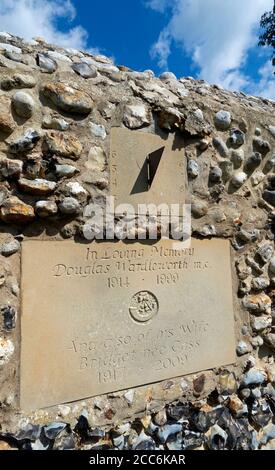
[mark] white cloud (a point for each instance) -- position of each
(266, 85)
(216, 34)
(31, 18)
(158, 5)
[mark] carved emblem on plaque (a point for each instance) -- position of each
(144, 305)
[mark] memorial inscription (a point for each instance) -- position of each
(111, 316)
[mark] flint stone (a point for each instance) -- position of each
(45, 208)
(47, 64)
(17, 80)
(136, 116)
(69, 206)
(11, 168)
(265, 252)
(260, 323)
(6, 350)
(237, 138)
(15, 211)
(25, 142)
(270, 164)
(58, 124)
(166, 76)
(222, 120)
(37, 186)
(64, 145)
(237, 157)
(3, 193)
(97, 130)
(253, 161)
(261, 145)
(10, 247)
(84, 70)
(67, 98)
(23, 104)
(7, 124)
(65, 171)
(238, 179)
(258, 303)
(10, 48)
(253, 377)
(193, 169)
(221, 147)
(75, 189)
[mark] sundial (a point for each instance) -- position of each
(146, 168)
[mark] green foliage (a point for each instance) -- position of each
(267, 38)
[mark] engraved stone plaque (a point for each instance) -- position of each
(108, 316)
(145, 168)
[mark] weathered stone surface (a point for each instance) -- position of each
(136, 115)
(13, 210)
(7, 124)
(253, 161)
(69, 206)
(37, 186)
(237, 138)
(193, 169)
(56, 123)
(237, 157)
(222, 120)
(199, 207)
(46, 63)
(265, 252)
(65, 145)
(85, 70)
(68, 98)
(45, 208)
(215, 174)
(170, 119)
(68, 271)
(65, 171)
(10, 48)
(254, 377)
(97, 130)
(23, 104)
(25, 142)
(221, 147)
(6, 350)
(258, 303)
(10, 247)
(261, 145)
(238, 179)
(226, 167)
(96, 159)
(257, 178)
(74, 189)
(17, 80)
(3, 193)
(11, 168)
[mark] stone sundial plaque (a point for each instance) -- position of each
(146, 168)
(108, 316)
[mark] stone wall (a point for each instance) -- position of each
(57, 107)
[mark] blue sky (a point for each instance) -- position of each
(211, 39)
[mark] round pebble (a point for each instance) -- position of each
(23, 104)
(222, 120)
